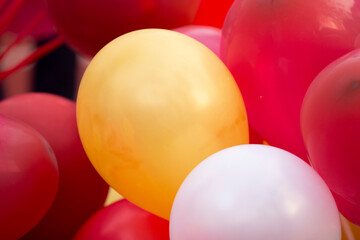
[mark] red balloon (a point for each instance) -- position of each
(28, 11)
(88, 25)
(81, 190)
(212, 12)
(349, 210)
(276, 48)
(330, 121)
(28, 178)
(124, 221)
(208, 36)
(254, 137)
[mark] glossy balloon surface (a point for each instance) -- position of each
(254, 192)
(276, 48)
(330, 120)
(152, 104)
(81, 190)
(29, 178)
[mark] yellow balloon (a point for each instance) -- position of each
(153, 104)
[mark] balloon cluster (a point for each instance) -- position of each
(165, 117)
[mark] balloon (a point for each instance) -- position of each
(254, 137)
(81, 190)
(212, 12)
(349, 210)
(124, 221)
(151, 105)
(88, 25)
(209, 36)
(28, 11)
(254, 192)
(276, 48)
(29, 178)
(330, 120)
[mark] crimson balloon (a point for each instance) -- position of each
(28, 12)
(28, 178)
(124, 221)
(88, 25)
(349, 210)
(276, 48)
(81, 190)
(330, 120)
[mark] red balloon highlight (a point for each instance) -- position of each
(81, 190)
(28, 178)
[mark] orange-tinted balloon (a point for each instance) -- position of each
(152, 104)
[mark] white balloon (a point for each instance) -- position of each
(254, 192)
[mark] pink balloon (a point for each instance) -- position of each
(254, 192)
(276, 48)
(330, 121)
(209, 36)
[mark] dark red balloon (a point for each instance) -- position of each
(213, 12)
(208, 36)
(349, 210)
(29, 10)
(88, 25)
(124, 221)
(275, 48)
(254, 137)
(330, 121)
(28, 178)
(81, 190)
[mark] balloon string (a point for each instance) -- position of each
(9, 14)
(36, 55)
(346, 228)
(25, 31)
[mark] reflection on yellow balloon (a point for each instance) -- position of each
(152, 104)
